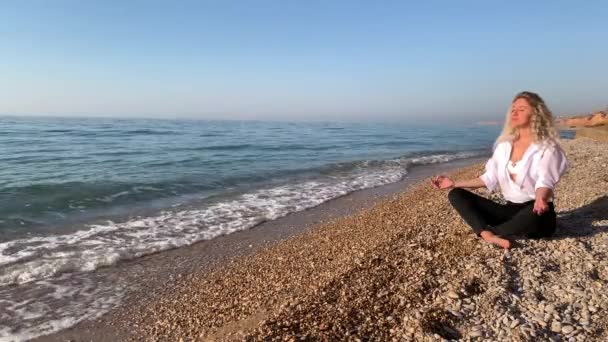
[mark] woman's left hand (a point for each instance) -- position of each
(540, 206)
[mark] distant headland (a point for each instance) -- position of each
(594, 125)
(587, 120)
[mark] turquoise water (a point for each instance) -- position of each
(58, 171)
(79, 194)
(76, 194)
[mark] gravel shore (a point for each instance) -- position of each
(409, 269)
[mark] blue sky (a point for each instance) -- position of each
(301, 60)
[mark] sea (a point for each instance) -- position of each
(78, 194)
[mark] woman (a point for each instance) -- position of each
(527, 163)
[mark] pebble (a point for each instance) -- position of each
(453, 295)
(475, 333)
(566, 329)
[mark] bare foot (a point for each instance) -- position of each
(495, 240)
(500, 242)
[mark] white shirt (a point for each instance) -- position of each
(514, 192)
(541, 166)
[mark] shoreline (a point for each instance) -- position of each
(154, 275)
(409, 269)
(403, 268)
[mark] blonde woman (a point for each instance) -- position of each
(526, 164)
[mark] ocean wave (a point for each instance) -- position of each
(33, 311)
(148, 132)
(118, 153)
(35, 206)
(286, 148)
(46, 283)
(213, 147)
(35, 258)
(59, 130)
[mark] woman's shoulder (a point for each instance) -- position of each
(552, 148)
(549, 145)
(502, 145)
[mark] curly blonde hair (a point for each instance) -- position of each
(542, 122)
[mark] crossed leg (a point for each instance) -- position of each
(493, 221)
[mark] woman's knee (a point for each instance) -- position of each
(456, 195)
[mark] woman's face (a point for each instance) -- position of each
(521, 113)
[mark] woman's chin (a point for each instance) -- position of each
(519, 125)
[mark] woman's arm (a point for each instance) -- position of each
(552, 165)
(444, 182)
(470, 183)
(488, 180)
(544, 194)
(542, 197)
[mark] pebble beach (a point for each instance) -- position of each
(407, 269)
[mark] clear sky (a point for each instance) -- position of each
(328, 60)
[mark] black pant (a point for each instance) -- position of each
(502, 219)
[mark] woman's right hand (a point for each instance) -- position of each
(442, 182)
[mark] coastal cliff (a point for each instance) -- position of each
(590, 120)
(593, 126)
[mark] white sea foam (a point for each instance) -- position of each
(39, 262)
(35, 258)
(42, 307)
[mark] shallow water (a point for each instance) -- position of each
(79, 194)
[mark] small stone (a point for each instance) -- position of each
(450, 330)
(456, 313)
(453, 295)
(566, 329)
(475, 333)
(556, 327)
(550, 308)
